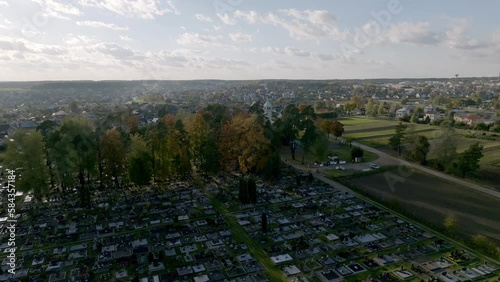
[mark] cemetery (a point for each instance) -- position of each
(297, 228)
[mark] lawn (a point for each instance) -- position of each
(382, 132)
(376, 133)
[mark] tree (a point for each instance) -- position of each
(326, 126)
(243, 191)
(419, 149)
(468, 161)
(79, 133)
(417, 114)
(396, 141)
(450, 222)
(338, 129)
(252, 190)
(291, 120)
(27, 153)
(349, 107)
(349, 140)
(113, 155)
(139, 161)
(272, 169)
(372, 108)
(308, 138)
(243, 144)
(445, 147)
(264, 222)
(356, 152)
(320, 147)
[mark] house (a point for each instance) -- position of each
(430, 108)
(4, 130)
(433, 115)
(403, 112)
(422, 96)
(59, 116)
(468, 119)
(268, 110)
(151, 279)
(27, 124)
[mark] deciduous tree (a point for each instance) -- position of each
(468, 161)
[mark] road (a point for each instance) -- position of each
(385, 158)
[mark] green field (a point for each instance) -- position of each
(376, 133)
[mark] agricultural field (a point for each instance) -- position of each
(376, 133)
(431, 199)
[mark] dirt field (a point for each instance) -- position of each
(431, 199)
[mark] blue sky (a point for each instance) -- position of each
(243, 39)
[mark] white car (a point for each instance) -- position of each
(374, 166)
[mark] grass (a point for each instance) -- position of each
(344, 153)
(376, 133)
(272, 271)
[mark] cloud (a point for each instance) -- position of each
(227, 19)
(72, 39)
(125, 38)
(9, 44)
(457, 38)
(274, 50)
(203, 18)
(240, 37)
(291, 51)
(145, 9)
(307, 24)
(98, 24)
(325, 57)
(250, 17)
(188, 38)
(4, 4)
(53, 8)
(114, 50)
(416, 33)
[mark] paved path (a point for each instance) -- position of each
(447, 177)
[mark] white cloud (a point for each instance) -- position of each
(250, 17)
(72, 39)
(274, 50)
(4, 4)
(203, 18)
(53, 8)
(98, 24)
(189, 38)
(457, 37)
(227, 19)
(307, 24)
(240, 37)
(146, 9)
(125, 38)
(291, 51)
(417, 33)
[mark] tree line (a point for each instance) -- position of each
(416, 147)
(115, 151)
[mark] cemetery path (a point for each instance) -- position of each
(441, 175)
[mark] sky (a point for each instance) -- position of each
(247, 39)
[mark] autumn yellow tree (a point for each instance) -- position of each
(244, 145)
